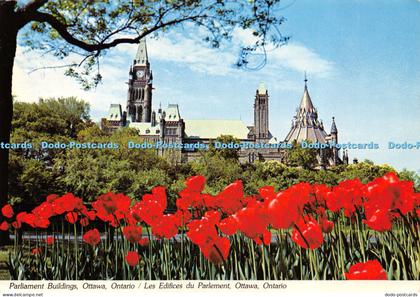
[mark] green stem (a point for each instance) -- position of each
(254, 264)
(76, 251)
(263, 261)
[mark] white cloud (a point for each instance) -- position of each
(190, 51)
(300, 59)
(29, 85)
(178, 49)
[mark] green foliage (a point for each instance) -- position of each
(51, 117)
(225, 153)
(217, 170)
(298, 156)
(35, 173)
(32, 175)
(365, 171)
(90, 28)
(89, 173)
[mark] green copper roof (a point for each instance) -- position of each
(141, 56)
(211, 129)
(114, 113)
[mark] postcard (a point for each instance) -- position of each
(198, 147)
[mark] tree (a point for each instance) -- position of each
(229, 153)
(89, 173)
(32, 174)
(298, 156)
(90, 28)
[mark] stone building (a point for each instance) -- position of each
(166, 125)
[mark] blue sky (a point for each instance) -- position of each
(362, 59)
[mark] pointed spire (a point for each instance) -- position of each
(333, 126)
(141, 56)
(306, 125)
(306, 102)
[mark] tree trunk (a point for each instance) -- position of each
(8, 35)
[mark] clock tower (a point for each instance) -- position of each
(139, 98)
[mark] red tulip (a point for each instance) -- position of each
(147, 210)
(321, 192)
(84, 221)
(253, 221)
(213, 216)
(166, 227)
(326, 225)
(267, 237)
(371, 270)
(40, 222)
(112, 207)
(204, 234)
(228, 226)
(144, 241)
(132, 233)
(91, 215)
(36, 251)
(218, 251)
(49, 240)
(92, 237)
(67, 203)
(380, 220)
(196, 183)
(308, 232)
(267, 192)
(52, 197)
(72, 217)
(7, 211)
(229, 200)
(282, 211)
(132, 258)
(45, 210)
(159, 195)
(182, 217)
(4, 226)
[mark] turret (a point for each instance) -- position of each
(153, 119)
(334, 131)
(334, 138)
(346, 157)
(261, 114)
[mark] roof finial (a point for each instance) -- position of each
(333, 126)
(306, 80)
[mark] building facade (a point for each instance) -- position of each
(166, 125)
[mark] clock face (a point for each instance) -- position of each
(140, 73)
